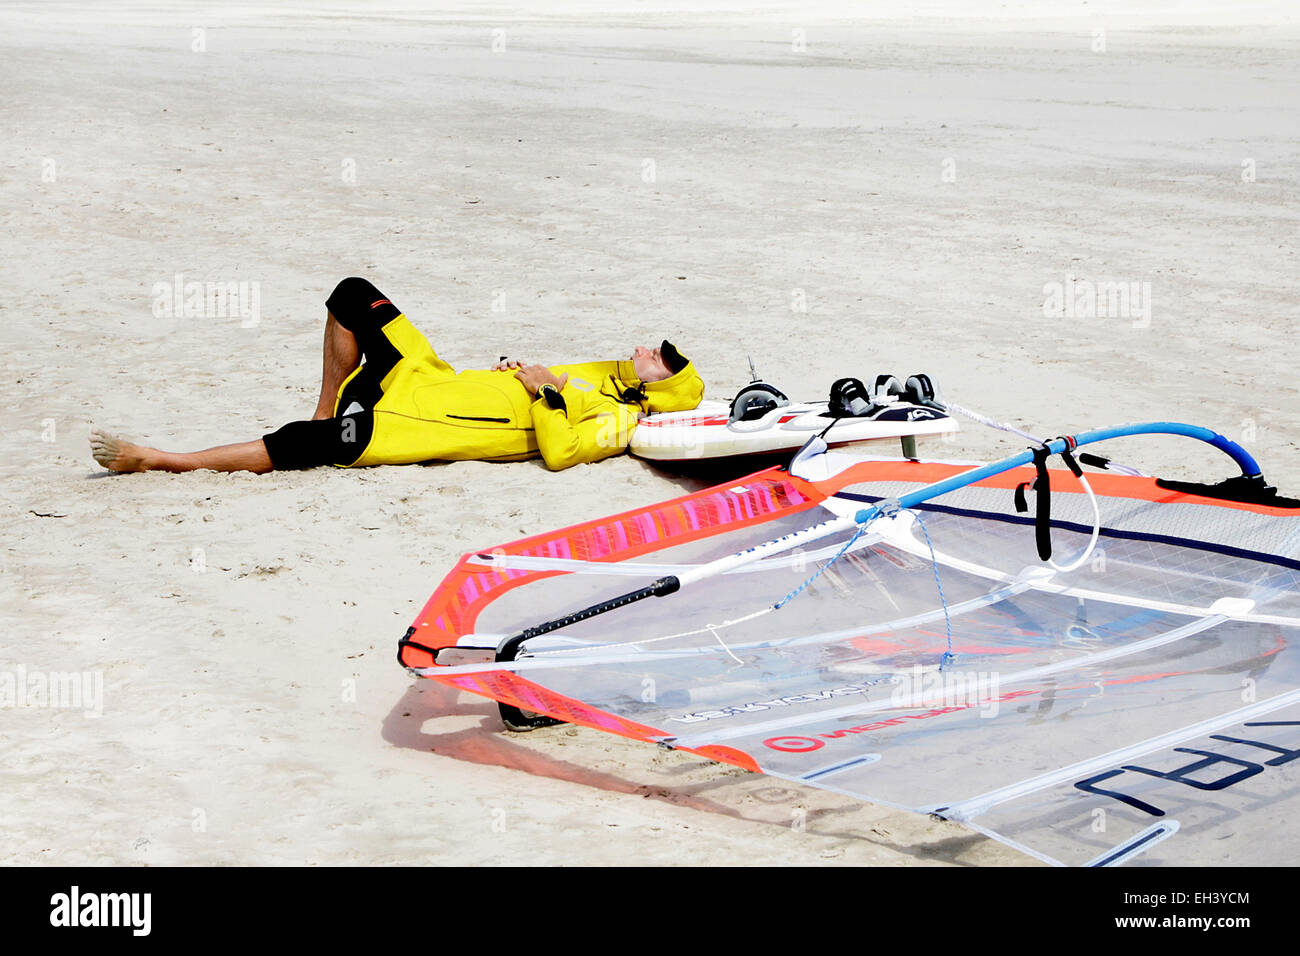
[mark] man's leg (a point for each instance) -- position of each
(341, 357)
(359, 313)
(118, 455)
(355, 315)
(309, 444)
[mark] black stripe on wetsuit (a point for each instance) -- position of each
(363, 310)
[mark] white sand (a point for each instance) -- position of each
(231, 614)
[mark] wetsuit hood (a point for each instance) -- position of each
(680, 392)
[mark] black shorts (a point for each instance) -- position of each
(326, 441)
(363, 310)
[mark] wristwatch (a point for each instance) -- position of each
(553, 397)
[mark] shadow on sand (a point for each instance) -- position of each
(488, 743)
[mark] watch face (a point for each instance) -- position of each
(552, 395)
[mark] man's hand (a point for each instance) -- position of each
(535, 376)
(506, 365)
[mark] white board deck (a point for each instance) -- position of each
(706, 431)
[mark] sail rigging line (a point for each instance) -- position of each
(723, 644)
(1086, 553)
(820, 571)
(888, 510)
(982, 419)
(948, 656)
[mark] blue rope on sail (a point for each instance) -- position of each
(818, 573)
(948, 656)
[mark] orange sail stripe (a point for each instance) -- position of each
(454, 607)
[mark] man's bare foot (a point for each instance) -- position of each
(116, 454)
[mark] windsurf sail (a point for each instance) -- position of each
(885, 628)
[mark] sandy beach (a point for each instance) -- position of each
(827, 194)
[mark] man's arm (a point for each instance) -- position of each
(566, 436)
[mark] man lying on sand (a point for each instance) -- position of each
(404, 404)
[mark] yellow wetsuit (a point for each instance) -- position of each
(429, 411)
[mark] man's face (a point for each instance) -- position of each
(649, 365)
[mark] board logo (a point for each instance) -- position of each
(795, 745)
